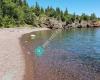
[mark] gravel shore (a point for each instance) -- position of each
(12, 58)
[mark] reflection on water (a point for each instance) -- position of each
(72, 55)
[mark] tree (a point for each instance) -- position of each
(74, 17)
(37, 9)
(93, 16)
(99, 18)
(66, 12)
(42, 11)
(1, 2)
(85, 17)
(25, 2)
(20, 2)
(62, 16)
(18, 12)
(50, 12)
(1, 21)
(30, 17)
(58, 14)
(65, 15)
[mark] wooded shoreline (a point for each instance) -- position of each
(16, 13)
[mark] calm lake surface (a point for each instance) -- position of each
(73, 54)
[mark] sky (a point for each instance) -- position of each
(77, 6)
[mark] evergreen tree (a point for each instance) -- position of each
(85, 17)
(25, 2)
(58, 14)
(66, 12)
(18, 12)
(93, 16)
(74, 17)
(42, 11)
(50, 12)
(37, 9)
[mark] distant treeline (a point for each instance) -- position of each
(18, 12)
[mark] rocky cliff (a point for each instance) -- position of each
(53, 23)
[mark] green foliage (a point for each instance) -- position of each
(66, 12)
(93, 17)
(50, 12)
(98, 19)
(58, 14)
(1, 21)
(42, 11)
(18, 12)
(37, 9)
(85, 17)
(30, 18)
(65, 15)
(15, 12)
(7, 21)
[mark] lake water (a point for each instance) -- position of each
(72, 54)
(78, 41)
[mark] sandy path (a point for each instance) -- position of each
(12, 61)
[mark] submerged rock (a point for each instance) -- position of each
(91, 63)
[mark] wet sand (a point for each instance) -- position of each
(13, 61)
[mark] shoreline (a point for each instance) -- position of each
(50, 70)
(18, 58)
(13, 60)
(29, 58)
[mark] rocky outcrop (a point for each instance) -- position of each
(53, 23)
(82, 24)
(96, 23)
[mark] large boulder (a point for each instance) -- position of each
(93, 24)
(53, 23)
(96, 23)
(83, 24)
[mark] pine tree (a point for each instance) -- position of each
(37, 9)
(93, 16)
(58, 13)
(42, 11)
(66, 12)
(85, 17)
